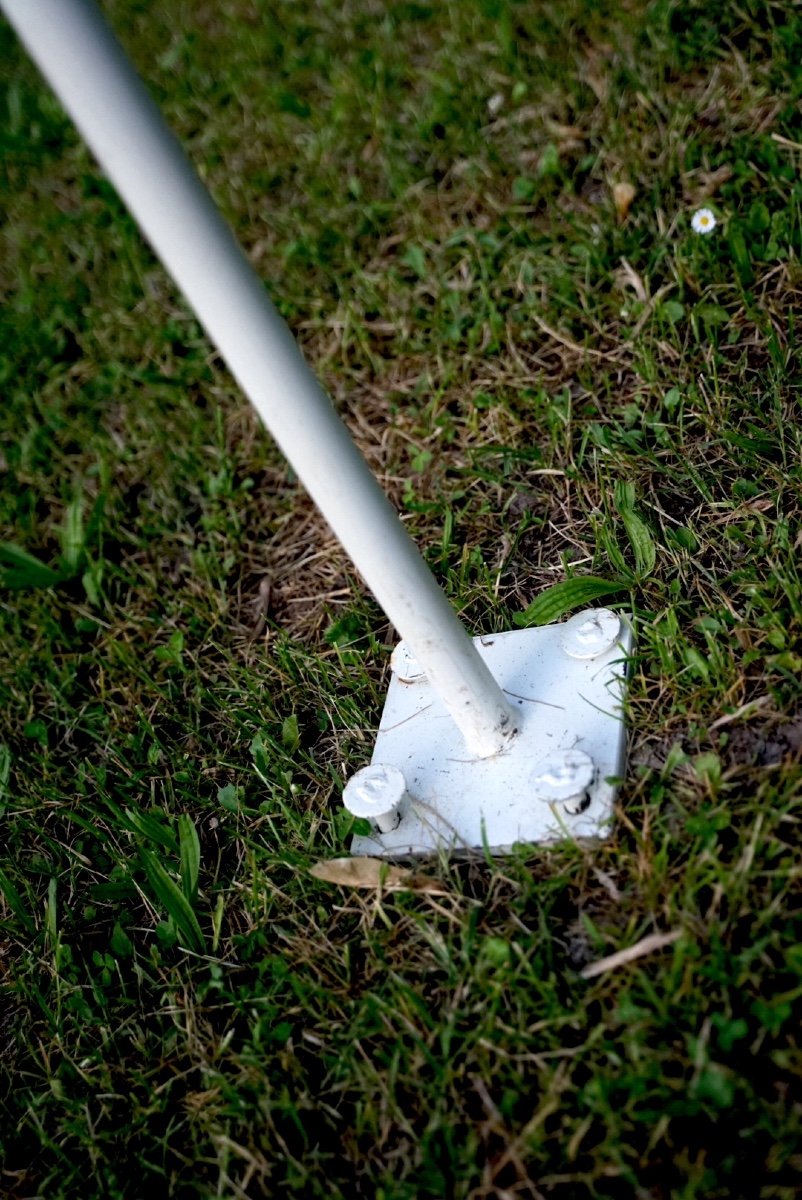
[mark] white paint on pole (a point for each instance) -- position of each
(86, 67)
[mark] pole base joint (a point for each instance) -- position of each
(555, 779)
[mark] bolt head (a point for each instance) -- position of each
(563, 776)
(405, 665)
(590, 633)
(376, 792)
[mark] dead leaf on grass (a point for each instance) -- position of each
(629, 277)
(699, 186)
(373, 873)
(623, 195)
(746, 710)
(595, 71)
(570, 137)
(784, 141)
(647, 945)
(262, 606)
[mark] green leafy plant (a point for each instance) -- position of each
(19, 569)
(561, 598)
(637, 530)
(174, 900)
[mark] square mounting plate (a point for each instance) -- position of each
(566, 704)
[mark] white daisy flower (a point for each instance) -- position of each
(703, 221)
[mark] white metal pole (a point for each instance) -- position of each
(79, 56)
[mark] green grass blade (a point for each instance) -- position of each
(290, 735)
(564, 597)
(51, 914)
(189, 845)
(151, 828)
(73, 542)
(15, 902)
(5, 774)
(174, 901)
(24, 570)
(640, 538)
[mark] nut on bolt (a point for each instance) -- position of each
(590, 633)
(563, 778)
(378, 792)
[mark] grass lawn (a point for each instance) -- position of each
(553, 376)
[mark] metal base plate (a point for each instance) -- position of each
(459, 803)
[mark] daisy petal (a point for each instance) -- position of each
(703, 221)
